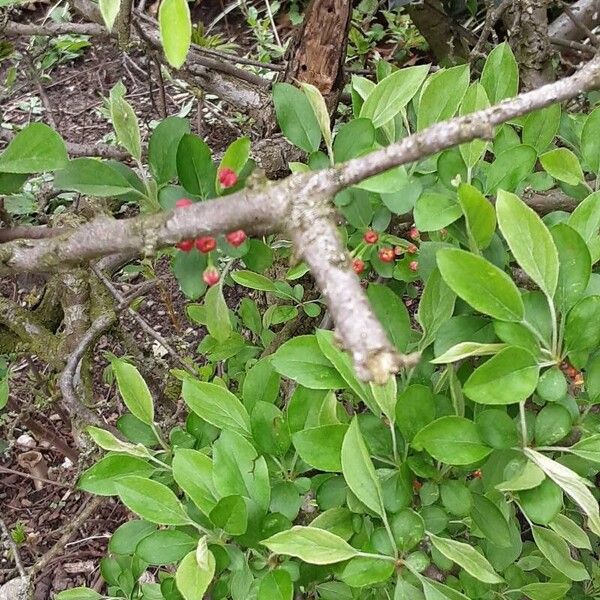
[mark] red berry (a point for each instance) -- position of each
(413, 265)
(186, 245)
(412, 249)
(476, 474)
(358, 265)
(236, 238)
(387, 255)
(206, 244)
(210, 276)
(414, 233)
(183, 203)
(417, 485)
(371, 236)
(227, 177)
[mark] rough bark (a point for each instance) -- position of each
(319, 50)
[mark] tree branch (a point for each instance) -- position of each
(588, 13)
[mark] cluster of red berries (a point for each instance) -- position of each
(387, 254)
(227, 177)
(207, 243)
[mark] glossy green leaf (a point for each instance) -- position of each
(175, 31)
(540, 127)
(321, 447)
(37, 148)
(479, 213)
(529, 241)
(91, 177)
(319, 108)
(254, 281)
(107, 441)
(556, 551)
(193, 578)
(276, 585)
(79, 593)
(582, 328)
(392, 94)
(530, 476)
(127, 536)
(590, 141)
(500, 75)
(392, 314)
(545, 591)
(296, 117)
(109, 10)
(490, 520)
(434, 211)
(415, 408)
(467, 557)
(552, 424)
(364, 571)
(441, 96)
(541, 504)
(452, 440)
(301, 359)
(497, 429)
(436, 306)
(162, 148)
(216, 405)
(570, 531)
(510, 168)
(475, 99)
(193, 472)
(585, 219)
(151, 500)
(310, 544)
(509, 377)
(466, 350)
(165, 547)
(125, 122)
(353, 139)
(231, 515)
(588, 448)
(100, 478)
(562, 164)
(480, 283)
(134, 391)
(218, 322)
(358, 470)
(195, 167)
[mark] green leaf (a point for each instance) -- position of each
(125, 539)
(392, 314)
(590, 141)
(500, 75)
(540, 127)
(165, 547)
(217, 405)
(406, 591)
(231, 515)
(570, 531)
(321, 447)
(175, 31)
(582, 328)
(195, 167)
(588, 448)
(109, 10)
(386, 396)
(359, 472)
(193, 473)
(475, 99)
(187, 268)
(343, 363)
(392, 94)
(490, 520)
(542, 503)
(254, 281)
(310, 544)
(466, 350)
(270, 429)
(552, 424)
(545, 591)
(585, 219)
(415, 408)
(438, 591)
(192, 578)
(556, 551)
(575, 486)
(467, 557)
(480, 215)
(575, 266)
(497, 429)
(563, 164)
(441, 96)
(319, 108)
(261, 384)
(100, 478)
(218, 322)
(37, 148)
(386, 182)
(239, 470)
(12, 183)
(509, 377)
(151, 500)
(529, 477)
(452, 440)
(107, 441)
(125, 122)
(435, 308)
(480, 283)
(296, 117)
(134, 391)
(162, 148)
(93, 178)
(365, 571)
(434, 211)
(276, 585)
(301, 360)
(353, 139)
(79, 593)
(510, 168)
(237, 154)
(3, 392)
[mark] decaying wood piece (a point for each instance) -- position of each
(318, 53)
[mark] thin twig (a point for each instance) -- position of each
(34, 478)
(578, 46)
(141, 321)
(13, 549)
(491, 18)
